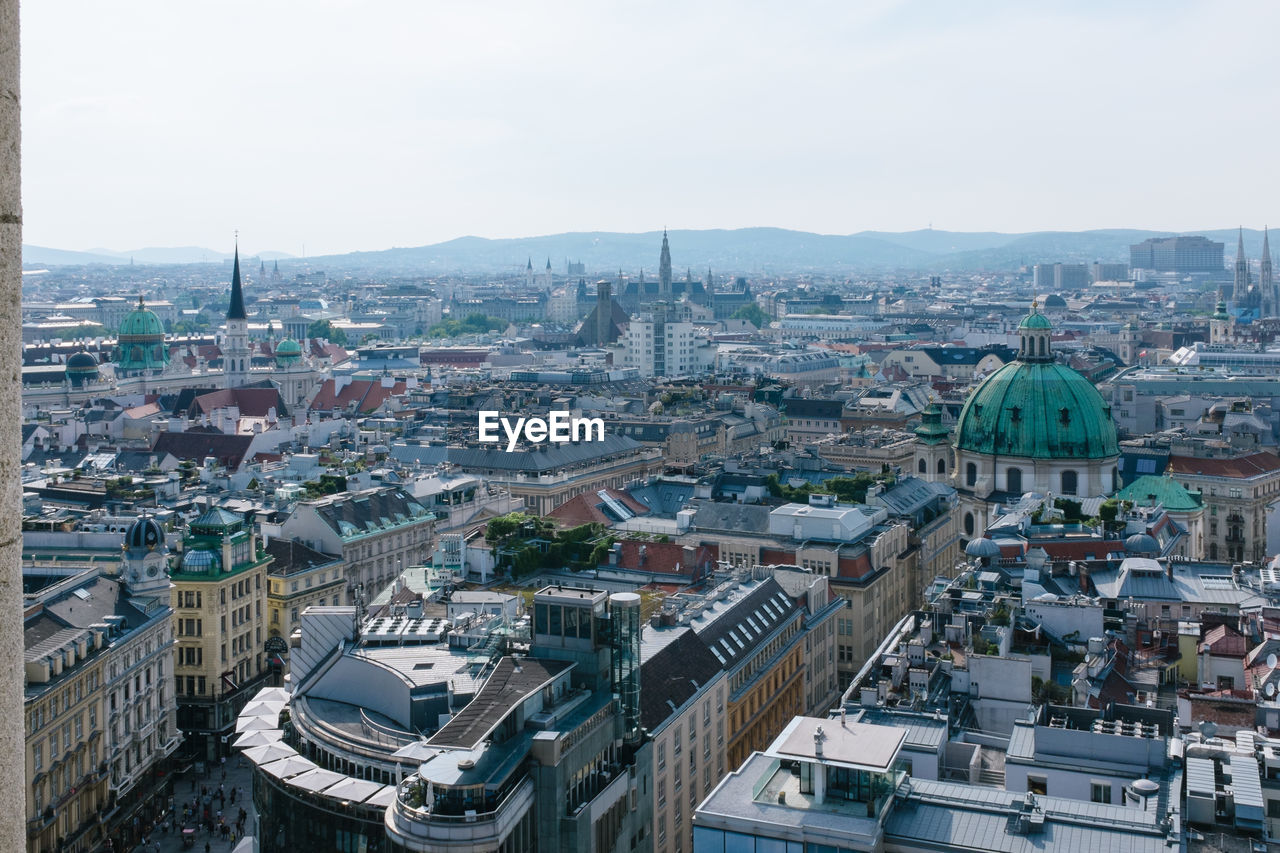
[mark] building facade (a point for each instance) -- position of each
(377, 533)
(101, 717)
(220, 614)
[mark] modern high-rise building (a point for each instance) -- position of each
(1050, 277)
(1177, 254)
(657, 346)
(1109, 272)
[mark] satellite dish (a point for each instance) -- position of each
(1270, 690)
(1271, 661)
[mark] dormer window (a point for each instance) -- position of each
(1064, 416)
(1015, 413)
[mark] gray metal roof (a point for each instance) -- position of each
(548, 457)
(962, 817)
(922, 731)
(1200, 777)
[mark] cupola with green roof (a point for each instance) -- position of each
(288, 352)
(1037, 408)
(140, 342)
(1034, 425)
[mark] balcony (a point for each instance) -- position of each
(418, 827)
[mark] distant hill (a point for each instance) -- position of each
(44, 256)
(151, 255)
(740, 251)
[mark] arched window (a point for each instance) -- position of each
(1115, 479)
(971, 474)
(968, 524)
(942, 466)
(1013, 479)
(1070, 482)
(922, 467)
(1042, 352)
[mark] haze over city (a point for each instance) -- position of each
(402, 124)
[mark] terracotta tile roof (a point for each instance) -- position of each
(666, 557)
(252, 402)
(588, 508)
(1239, 467)
(1224, 642)
(367, 394)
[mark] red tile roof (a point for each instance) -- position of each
(1239, 467)
(1224, 642)
(666, 557)
(586, 509)
(367, 394)
(252, 402)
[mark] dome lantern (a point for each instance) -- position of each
(1033, 336)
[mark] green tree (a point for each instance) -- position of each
(324, 329)
(753, 314)
(472, 324)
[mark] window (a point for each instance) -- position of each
(1100, 792)
(1070, 482)
(1013, 479)
(970, 474)
(1038, 784)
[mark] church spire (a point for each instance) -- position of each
(236, 311)
(664, 269)
(1266, 282)
(1240, 283)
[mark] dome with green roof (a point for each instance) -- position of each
(288, 352)
(140, 341)
(1035, 320)
(1035, 408)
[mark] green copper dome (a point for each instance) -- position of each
(141, 322)
(1035, 320)
(288, 351)
(141, 341)
(1035, 408)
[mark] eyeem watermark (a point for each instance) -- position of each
(557, 428)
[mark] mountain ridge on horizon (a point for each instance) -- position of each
(754, 249)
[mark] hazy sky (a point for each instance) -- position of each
(365, 125)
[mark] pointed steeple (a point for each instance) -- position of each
(1240, 283)
(236, 311)
(1266, 280)
(548, 263)
(664, 269)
